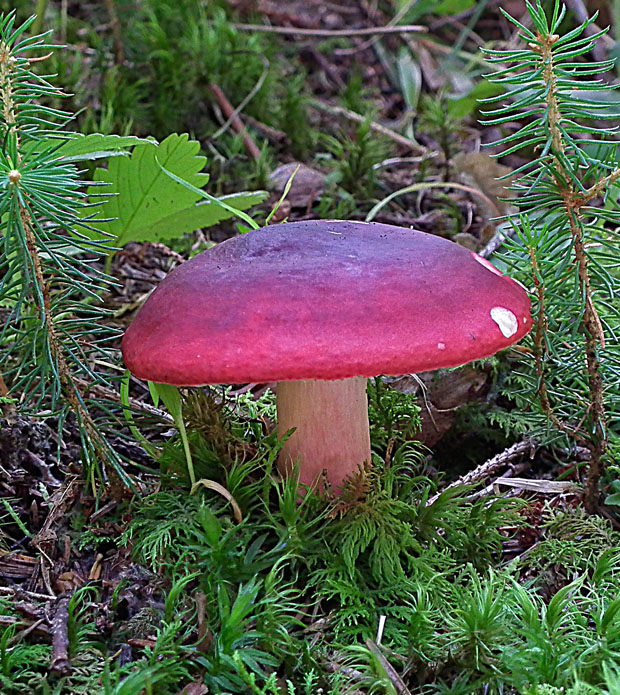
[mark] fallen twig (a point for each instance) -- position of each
(332, 33)
(60, 639)
(377, 127)
(18, 592)
(391, 672)
(235, 120)
(497, 240)
(102, 511)
(373, 17)
(273, 134)
(488, 467)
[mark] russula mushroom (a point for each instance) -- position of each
(318, 307)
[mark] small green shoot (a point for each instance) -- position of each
(171, 398)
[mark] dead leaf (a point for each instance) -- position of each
(194, 689)
(95, 570)
(68, 581)
(441, 394)
(216, 487)
(306, 187)
(479, 170)
(553, 487)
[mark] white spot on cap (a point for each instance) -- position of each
(506, 320)
(486, 264)
(441, 346)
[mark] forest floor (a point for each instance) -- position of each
(420, 586)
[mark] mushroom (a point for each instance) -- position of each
(319, 307)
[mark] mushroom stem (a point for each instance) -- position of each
(331, 428)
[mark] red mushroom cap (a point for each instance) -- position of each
(324, 300)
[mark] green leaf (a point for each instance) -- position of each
(154, 392)
(207, 196)
(204, 214)
(171, 397)
(211, 526)
(149, 205)
(78, 147)
(613, 500)
(143, 193)
(409, 77)
(468, 104)
(453, 6)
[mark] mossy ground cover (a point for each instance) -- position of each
(382, 589)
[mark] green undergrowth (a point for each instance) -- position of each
(148, 69)
(395, 587)
(261, 592)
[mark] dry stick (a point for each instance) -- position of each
(331, 33)
(36, 626)
(18, 592)
(119, 53)
(376, 37)
(498, 239)
(377, 127)
(485, 469)
(271, 133)
(248, 97)
(235, 120)
(491, 488)
(390, 671)
(60, 639)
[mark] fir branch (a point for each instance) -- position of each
(558, 224)
(70, 389)
(540, 329)
(593, 330)
(53, 328)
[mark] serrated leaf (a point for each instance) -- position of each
(204, 214)
(78, 147)
(144, 194)
(147, 204)
(207, 196)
